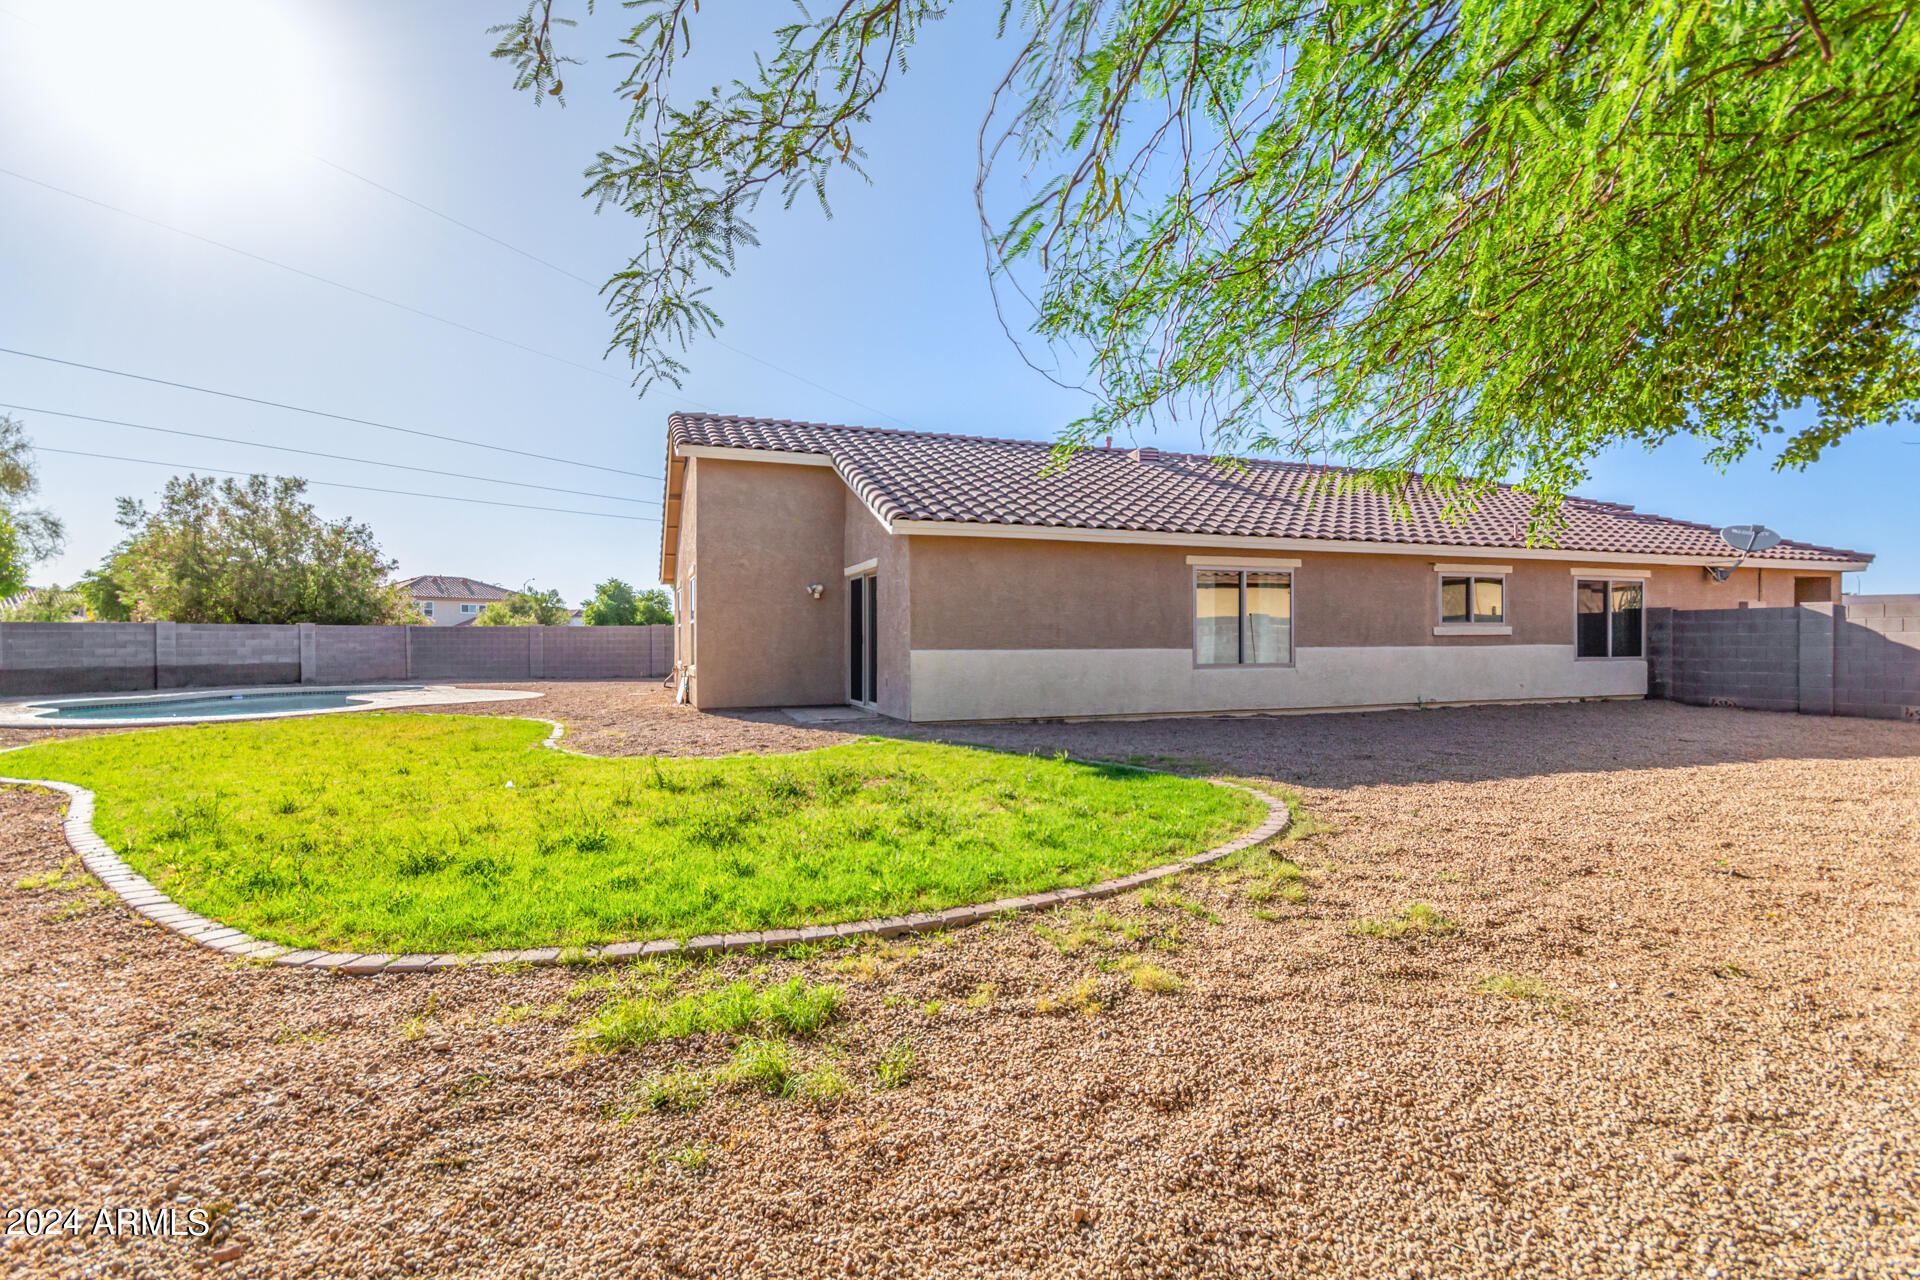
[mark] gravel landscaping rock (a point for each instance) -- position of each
(1699, 1059)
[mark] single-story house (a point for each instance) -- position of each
(452, 602)
(947, 577)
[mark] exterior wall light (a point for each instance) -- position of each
(816, 590)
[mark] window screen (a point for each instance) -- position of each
(1627, 601)
(1216, 617)
(1489, 600)
(1269, 633)
(1590, 621)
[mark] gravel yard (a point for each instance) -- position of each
(1696, 1055)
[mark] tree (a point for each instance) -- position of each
(526, 608)
(230, 551)
(50, 604)
(13, 561)
(104, 592)
(28, 535)
(1475, 239)
(615, 604)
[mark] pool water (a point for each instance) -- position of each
(204, 707)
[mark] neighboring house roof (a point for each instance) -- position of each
(918, 482)
(434, 587)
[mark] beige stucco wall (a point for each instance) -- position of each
(762, 533)
(863, 539)
(1688, 587)
(684, 649)
(1003, 593)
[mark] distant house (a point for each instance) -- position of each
(452, 602)
(940, 577)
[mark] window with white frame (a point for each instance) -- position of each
(426, 607)
(1473, 600)
(469, 608)
(1609, 615)
(1242, 617)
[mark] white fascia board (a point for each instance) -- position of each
(1473, 568)
(1243, 562)
(1055, 533)
(752, 455)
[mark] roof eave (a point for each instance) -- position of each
(1075, 533)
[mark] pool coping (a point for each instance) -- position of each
(17, 714)
(140, 894)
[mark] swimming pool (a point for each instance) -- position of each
(203, 706)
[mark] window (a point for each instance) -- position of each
(469, 608)
(1607, 618)
(1469, 601)
(426, 607)
(1242, 617)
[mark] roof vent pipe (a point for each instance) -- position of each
(1145, 455)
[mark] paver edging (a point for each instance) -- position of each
(144, 898)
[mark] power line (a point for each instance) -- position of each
(338, 484)
(447, 217)
(309, 275)
(514, 248)
(315, 453)
(322, 413)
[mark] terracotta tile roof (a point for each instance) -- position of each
(909, 475)
(434, 587)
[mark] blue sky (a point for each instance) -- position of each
(228, 123)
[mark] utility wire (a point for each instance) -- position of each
(315, 453)
(322, 413)
(309, 275)
(514, 248)
(447, 217)
(337, 484)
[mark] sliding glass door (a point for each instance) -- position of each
(863, 639)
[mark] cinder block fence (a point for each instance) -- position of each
(1819, 659)
(38, 658)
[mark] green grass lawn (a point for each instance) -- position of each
(450, 833)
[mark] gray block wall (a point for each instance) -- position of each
(1877, 667)
(1818, 659)
(49, 658)
(213, 655)
(69, 657)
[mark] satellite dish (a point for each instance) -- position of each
(1749, 538)
(1746, 539)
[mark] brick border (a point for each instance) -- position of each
(143, 897)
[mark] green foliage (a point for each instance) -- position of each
(675, 1090)
(1415, 919)
(615, 604)
(526, 608)
(50, 604)
(104, 593)
(28, 535)
(658, 1012)
(398, 833)
(13, 561)
(765, 1064)
(1473, 239)
(897, 1066)
(245, 551)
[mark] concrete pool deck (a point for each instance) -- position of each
(36, 713)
